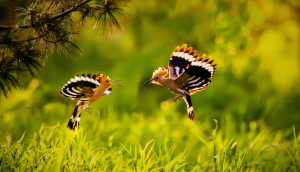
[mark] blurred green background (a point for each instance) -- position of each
(256, 86)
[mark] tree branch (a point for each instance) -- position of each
(25, 26)
(52, 18)
(70, 10)
(50, 4)
(30, 39)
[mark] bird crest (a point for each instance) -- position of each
(163, 71)
(99, 77)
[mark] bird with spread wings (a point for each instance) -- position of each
(85, 89)
(188, 74)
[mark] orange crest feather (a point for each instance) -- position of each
(163, 71)
(100, 76)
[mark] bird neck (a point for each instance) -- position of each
(166, 82)
(101, 89)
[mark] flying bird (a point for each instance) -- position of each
(85, 89)
(188, 74)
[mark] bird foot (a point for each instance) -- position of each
(88, 110)
(175, 98)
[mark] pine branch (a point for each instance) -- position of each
(50, 4)
(70, 10)
(24, 51)
(25, 26)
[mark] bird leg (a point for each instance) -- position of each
(175, 98)
(88, 110)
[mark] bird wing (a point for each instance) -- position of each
(180, 58)
(197, 75)
(107, 91)
(79, 87)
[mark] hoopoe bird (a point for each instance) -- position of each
(85, 89)
(188, 74)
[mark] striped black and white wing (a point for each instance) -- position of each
(180, 58)
(79, 86)
(107, 92)
(197, 75)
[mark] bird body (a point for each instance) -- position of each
(86, 90)
(98, 92)
(188, 74)
(171, 84)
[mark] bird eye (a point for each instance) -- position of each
(107, 81)
(156, 78)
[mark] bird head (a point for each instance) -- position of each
(105, 80)
(157, 76)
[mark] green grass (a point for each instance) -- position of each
(139, 143)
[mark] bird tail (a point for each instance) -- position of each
(191, 113)
(190, 109)
(75, 118)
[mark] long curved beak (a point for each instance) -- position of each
(115, 84)
(150, 81)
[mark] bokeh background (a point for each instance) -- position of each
(254, 43)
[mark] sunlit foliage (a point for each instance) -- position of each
(254, 94)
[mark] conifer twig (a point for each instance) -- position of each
(50, 4)
(25, 26)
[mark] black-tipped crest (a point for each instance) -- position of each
(94, 76)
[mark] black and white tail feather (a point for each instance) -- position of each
(190, 71)
(75, 118)
(80, 88)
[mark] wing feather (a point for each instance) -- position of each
(78, 87)
(197, 75)
(107, 92)
(180, 58)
